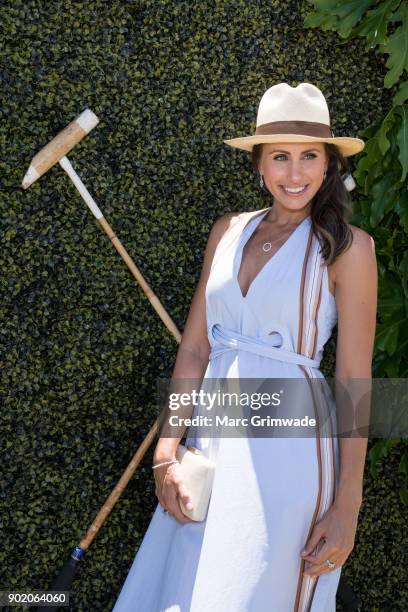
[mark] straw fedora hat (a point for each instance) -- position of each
(295, 114)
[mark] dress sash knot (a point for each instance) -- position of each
(229, 340)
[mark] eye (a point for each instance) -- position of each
(283, 155)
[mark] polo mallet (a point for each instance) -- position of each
(55, 151)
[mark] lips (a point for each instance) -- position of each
(296, 194)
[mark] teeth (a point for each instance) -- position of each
(297, 190)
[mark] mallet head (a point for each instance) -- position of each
(59, 146)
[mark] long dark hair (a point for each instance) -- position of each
(331, 207)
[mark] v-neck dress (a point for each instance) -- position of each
(267, 493)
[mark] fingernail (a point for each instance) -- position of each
(189, 506)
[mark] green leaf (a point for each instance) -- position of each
(369, 161)
(323, 16)
(340, 16)
(401, 208)
(402, 139)
(392, 367)
(403, 269)
(386, 337)
(401, 95)
(404, 496)
(391, 300)
(375, 23)
(383, 142)
(383, 192)
(392, 311)
(397, 48)
(371, 129)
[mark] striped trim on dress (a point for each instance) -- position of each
(309, 303)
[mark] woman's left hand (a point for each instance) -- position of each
(336, 533)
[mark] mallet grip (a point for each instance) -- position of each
(86, 196)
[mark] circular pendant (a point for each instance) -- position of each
(267, 246)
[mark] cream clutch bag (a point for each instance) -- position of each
(197, 472)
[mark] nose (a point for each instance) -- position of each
(295, 173)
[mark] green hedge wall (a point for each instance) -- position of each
(81, 347)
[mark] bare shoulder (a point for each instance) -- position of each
(362, 245)
(220, 227)
(224, 223)
(359, 257)
(362, 241)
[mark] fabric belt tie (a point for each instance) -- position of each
(229, 340)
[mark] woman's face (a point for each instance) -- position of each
(291, 166)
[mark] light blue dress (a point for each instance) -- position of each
(267, 492)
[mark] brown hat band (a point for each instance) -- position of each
(303, 128)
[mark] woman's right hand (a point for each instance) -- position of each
(169, 488)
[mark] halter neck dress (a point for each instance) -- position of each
(267, 492)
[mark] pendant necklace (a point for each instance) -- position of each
(267, 246)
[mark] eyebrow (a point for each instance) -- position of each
(288, 152)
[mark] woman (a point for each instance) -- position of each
(276, 281)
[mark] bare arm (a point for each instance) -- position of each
(192, 356)
(356, 299)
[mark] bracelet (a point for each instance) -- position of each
(164, 463)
